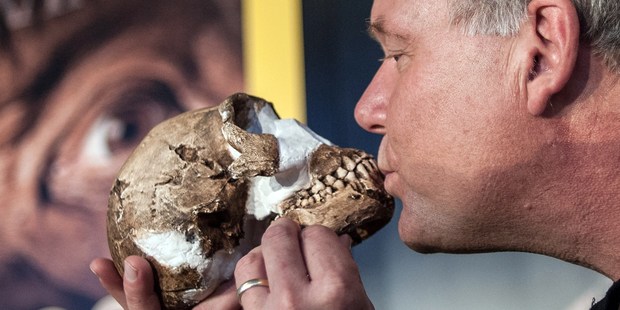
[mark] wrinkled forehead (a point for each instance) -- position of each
(403, 16)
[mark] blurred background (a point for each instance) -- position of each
(82, 81)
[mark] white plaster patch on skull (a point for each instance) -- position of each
(201, 188)
(172, 250)
(296, 143)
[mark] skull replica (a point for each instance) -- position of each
(201, 188)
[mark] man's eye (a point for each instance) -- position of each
(394, 57)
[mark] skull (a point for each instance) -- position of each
(202, 187)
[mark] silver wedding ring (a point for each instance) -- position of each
(250, 284)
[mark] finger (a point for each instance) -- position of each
(252, 266)
(346, 241)
(327, 255)
(139, 283)
(333, 272)
(109, 278)
(284, 261)
(224, 297)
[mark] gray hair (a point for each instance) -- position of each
(599, 20)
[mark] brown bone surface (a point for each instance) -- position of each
(185, 182)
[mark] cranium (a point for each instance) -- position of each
(201, 188)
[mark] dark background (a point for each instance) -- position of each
(340, 61)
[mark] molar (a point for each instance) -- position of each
(329, 180)
(318, 185)
(338, 185)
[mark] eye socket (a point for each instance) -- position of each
(394, 57)
(129, 118)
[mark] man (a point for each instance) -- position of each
(501, 132)
(81, 83)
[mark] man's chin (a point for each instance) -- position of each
(414, 237)
(421, 248)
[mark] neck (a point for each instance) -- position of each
(582, 191)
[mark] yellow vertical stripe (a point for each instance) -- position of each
(273, 54)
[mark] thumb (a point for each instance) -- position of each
(139, 285)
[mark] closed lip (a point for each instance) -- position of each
(384, 170)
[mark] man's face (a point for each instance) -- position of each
(454, 146)
(56, 178)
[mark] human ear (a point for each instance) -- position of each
(550, 38)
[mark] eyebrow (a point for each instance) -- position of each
(374, 27)
(379, 27)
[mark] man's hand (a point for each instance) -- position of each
(135, 290)
(307, 269)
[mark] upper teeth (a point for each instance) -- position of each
(352, 170)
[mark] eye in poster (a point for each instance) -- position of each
(81, 83)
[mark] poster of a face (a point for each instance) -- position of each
(81, 83)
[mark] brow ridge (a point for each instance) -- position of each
(379, 27)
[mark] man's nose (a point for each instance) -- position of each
(370, 111)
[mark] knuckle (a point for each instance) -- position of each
(335, 290)
(315, 232)
(287, 300)
(247, 262)
(279, 232)
(342, 287)
(338, 295)
(135, 301)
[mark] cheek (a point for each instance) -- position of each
(423, 131)
(446, 133)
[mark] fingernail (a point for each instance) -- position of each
(93, 271)
(286, 221)
(280, 219)
(131, 273)
(346, 240)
